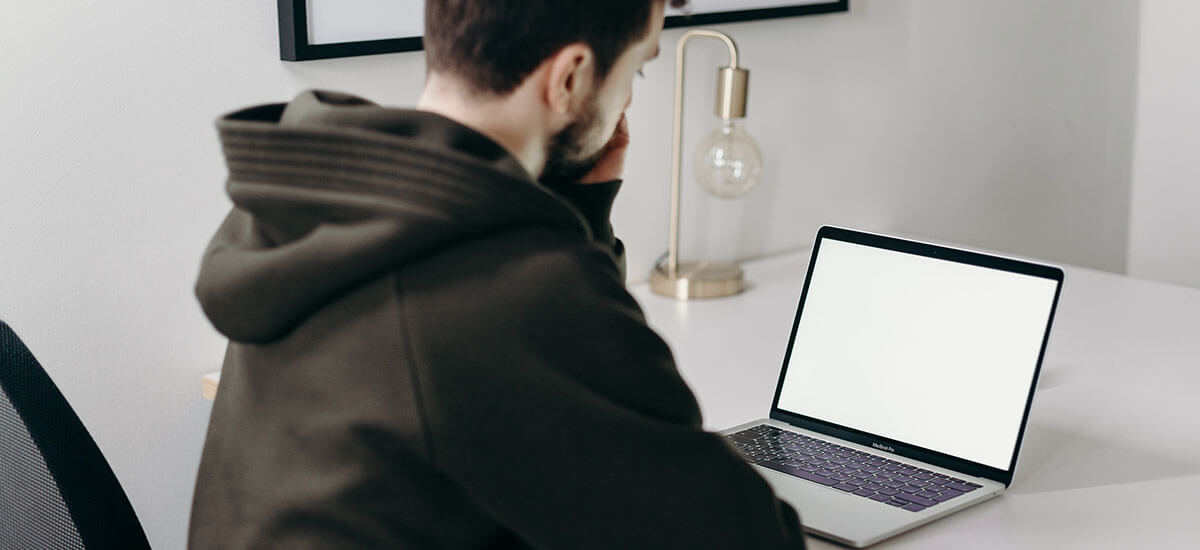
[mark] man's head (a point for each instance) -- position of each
(566, 65)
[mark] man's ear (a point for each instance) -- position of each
(570, 79)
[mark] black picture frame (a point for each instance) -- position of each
(294, 41)
(752, 15)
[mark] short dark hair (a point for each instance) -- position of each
(495, 44)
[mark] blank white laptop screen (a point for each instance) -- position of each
(924, 351)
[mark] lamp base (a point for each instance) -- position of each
(697, 280)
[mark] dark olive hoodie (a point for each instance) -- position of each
(429, 349)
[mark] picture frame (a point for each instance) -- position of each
(324, 29)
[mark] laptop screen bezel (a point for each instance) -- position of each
(901, 448)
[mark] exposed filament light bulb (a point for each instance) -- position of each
(728, 162)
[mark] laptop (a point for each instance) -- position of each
(906, 385)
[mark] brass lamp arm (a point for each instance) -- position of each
(731, 103)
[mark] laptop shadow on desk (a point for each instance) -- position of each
(1057, 460)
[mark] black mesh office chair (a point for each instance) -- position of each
(56, 489)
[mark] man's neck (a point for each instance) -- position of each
(500, 118)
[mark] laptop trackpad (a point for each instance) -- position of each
(827, 511)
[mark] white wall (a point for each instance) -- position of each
(1005, 125)
(1164, 241)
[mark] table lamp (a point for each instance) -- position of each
(727, 165)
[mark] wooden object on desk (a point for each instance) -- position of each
(208, 385)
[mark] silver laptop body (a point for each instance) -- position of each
(904, 357)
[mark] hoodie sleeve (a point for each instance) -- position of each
(549, 400)
(595, 202)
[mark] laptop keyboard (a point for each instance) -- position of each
(852, 471)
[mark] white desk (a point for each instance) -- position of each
(1111, 457)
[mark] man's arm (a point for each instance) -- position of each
(594, 194)
(595, 202)
(549, 399)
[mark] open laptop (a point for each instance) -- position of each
(906, 384)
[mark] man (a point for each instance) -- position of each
(431, 348)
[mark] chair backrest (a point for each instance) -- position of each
(56, 489)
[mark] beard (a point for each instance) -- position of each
(567, 159)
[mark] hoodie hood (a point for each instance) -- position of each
(331, 191)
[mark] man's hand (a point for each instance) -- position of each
(612, 161)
